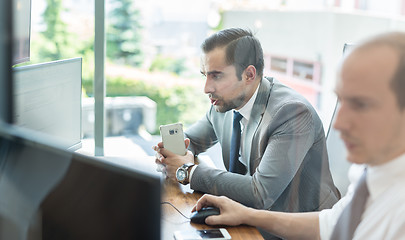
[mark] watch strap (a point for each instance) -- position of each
(187, 168)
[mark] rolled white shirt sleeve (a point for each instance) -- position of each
(329, 217)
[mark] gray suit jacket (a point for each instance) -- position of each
(286, 148)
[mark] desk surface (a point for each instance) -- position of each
(183, 198)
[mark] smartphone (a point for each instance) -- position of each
(173, 138)
(212, 234)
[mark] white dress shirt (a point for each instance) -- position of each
(384, 215)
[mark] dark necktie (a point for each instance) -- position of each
(235, 165)
(351, 214)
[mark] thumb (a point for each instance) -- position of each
(213, 220)
(187, 142)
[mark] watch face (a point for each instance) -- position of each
(180, 175)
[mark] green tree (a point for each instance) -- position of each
(55, 42)
(168, 64)
(124, 33)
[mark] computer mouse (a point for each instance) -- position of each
(200, 215)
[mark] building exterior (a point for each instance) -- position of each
(304, 48)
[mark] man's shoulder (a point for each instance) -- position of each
(281, 95)
(284, 100)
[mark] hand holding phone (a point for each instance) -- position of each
(173, 138)
(211, 234)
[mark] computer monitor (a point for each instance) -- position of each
(337, 152)
(21, 30)
(47, 98)
(347, 47)
(6, 26)
(47, 192)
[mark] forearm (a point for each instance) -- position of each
(285, 225)
(222, 183)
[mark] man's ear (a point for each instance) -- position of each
(250, 74)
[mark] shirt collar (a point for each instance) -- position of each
(381, 177)
(247, 109)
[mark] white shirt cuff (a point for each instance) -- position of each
(192, 171)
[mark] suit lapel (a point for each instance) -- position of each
(256, 116)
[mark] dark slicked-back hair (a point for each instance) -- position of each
(241, 47)
(396, 41)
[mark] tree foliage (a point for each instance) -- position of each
(168, 64)
(55, 42)
(124, 33)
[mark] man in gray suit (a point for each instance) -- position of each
(371, 121)
(283, 163)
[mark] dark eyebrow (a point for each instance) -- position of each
(211, 72)
(214, 72)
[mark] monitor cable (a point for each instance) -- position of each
(169, 203)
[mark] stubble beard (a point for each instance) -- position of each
(232, 104)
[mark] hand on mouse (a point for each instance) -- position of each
(232, 213)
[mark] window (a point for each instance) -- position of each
(278, 64)
(302, 45)
(303, 70)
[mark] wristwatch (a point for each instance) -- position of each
(183, 173)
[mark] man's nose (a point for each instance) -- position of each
(208, 87)
(341, 121)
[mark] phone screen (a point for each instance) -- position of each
(210, 233)
(200, 234)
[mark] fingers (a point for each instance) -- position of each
(163, 151)
(159, 145)
(213, 201)
(205, 201)
(199, 204)
(158, 155)
(160, 167)
(170, 160)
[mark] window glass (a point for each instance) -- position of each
(153, 53)
(303, 70)
(279, 65)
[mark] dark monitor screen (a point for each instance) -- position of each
(6, 105)
(47, 192)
